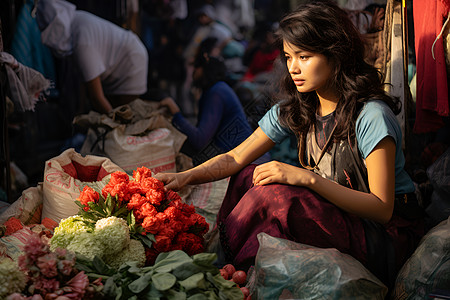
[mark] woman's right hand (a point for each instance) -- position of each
(172, 181)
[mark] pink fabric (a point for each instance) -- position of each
(432, 100)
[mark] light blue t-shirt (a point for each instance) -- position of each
(375, 122)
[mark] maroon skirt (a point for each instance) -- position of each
(294, 213)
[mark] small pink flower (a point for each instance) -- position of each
(15, 296)
(66, 266)
(35, 248)
(78, 284)
(48, 265)
(46, 285)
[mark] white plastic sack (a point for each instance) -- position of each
(27, 208)
(154, 150)
(64, 179)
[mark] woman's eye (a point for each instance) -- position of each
(303, 57)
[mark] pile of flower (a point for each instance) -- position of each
(156, 217)
(107, 239)
(44, 274)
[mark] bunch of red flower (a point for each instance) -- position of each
(175, 225)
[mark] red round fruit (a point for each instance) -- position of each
(245, 291)
(224, 274)
(230, 269)
(239, 277)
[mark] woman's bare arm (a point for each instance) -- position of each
(378, 205)
(221, 166)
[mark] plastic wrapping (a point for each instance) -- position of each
(428, 269)
(289, 270)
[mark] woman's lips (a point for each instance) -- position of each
(299, 82)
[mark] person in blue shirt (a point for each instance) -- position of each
(222, 123)
(351, 191)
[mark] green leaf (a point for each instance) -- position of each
(121, 211)
(199, 296)
(194, 281)
(145, 239)
(186, 270)
(232, 293)
(108, 205)
(141, 283)
(109, 288)
(204, 259)
(219, 282)
(101, 267)
(167, 261)
(101, 200)
(118, 293)
(153, 293)
(163, 281)
(79, 204)
(175, 295)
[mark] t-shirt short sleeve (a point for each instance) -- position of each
(271, 126)
(90, 61)
(375, 122)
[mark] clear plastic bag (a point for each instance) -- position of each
(289, 270)
(428, 269)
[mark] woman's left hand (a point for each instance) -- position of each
(278, 172)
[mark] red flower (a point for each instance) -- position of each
(152, 224)
(141, 173)
(119, 177)
(135, 187)
(155, 197)
(136, 201)
(171, 195)
(146, 210)
(120, 190)
(185, 208)
(190, 243)
(198, 224)
(151, 183)
(88, 195)
(163, 243)
(118, 186)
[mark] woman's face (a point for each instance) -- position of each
(309, 71)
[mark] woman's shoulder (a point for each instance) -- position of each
(375, 109)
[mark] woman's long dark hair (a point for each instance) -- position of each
(322, 27)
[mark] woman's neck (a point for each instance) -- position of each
(327, 103)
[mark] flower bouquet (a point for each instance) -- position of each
(156, 217)
(45, 274)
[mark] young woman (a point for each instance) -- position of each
(349, 146)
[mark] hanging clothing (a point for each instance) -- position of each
(27, 47)
(432, 101)
(25, 84)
